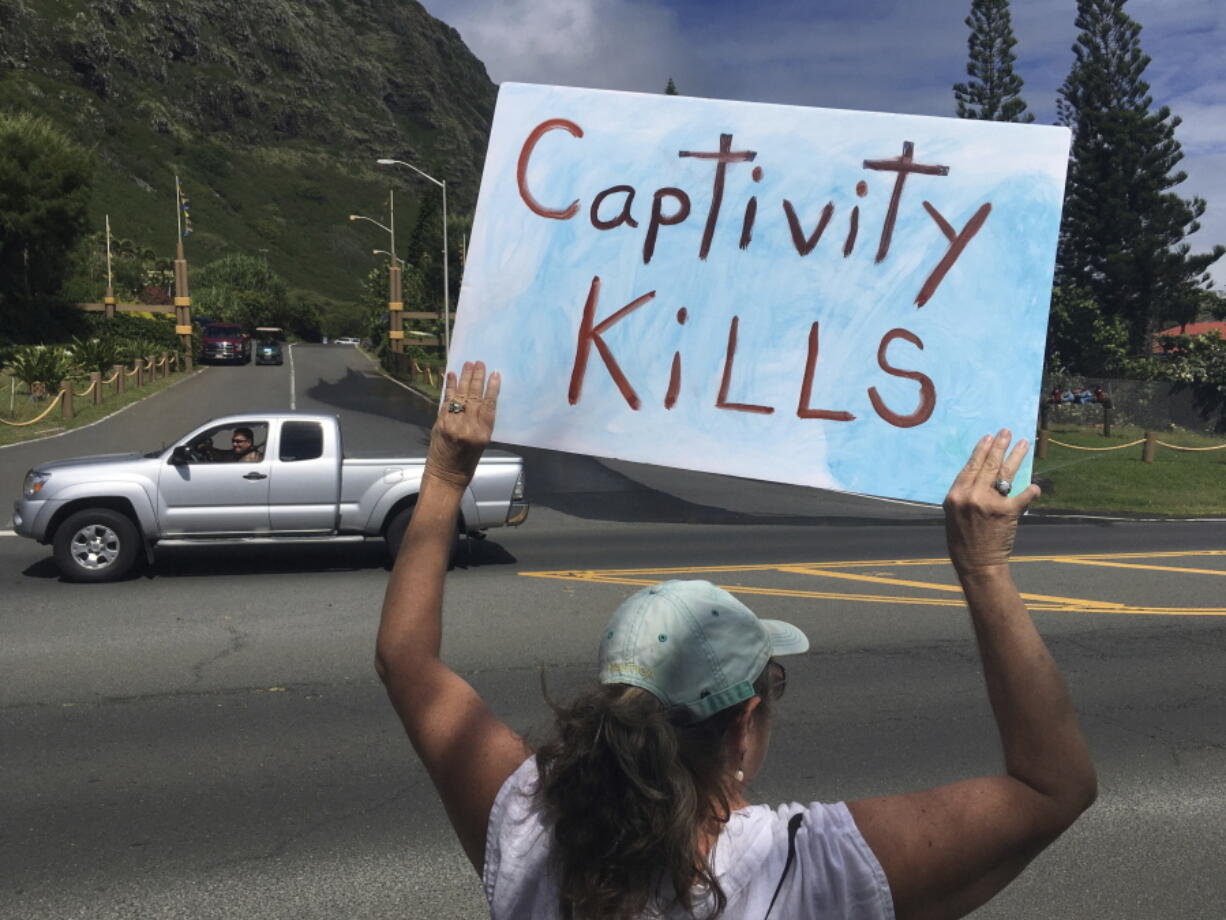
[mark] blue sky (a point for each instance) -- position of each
(879, 55)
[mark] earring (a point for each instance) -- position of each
(739, 776)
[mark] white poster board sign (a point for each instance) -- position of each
(838, 299)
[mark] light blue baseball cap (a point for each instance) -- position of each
(692, 645)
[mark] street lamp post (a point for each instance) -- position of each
(395, 300)
(441, 183)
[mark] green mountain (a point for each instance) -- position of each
(272, 112)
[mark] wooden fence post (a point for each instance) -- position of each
(1150, 447)
(66, 404)
(1040, 451)
(140, 372)
(95, 383)
(119, 371)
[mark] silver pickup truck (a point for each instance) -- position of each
(241, 479)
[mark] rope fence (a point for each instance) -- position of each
(1151, 444)
(1189, 449)
(145, 371)
(55, 402)
(1079, 447)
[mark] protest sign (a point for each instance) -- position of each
(838, 299)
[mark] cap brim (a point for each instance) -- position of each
(786, 639)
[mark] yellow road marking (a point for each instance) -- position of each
(1151, 568)
(1036, 602)
(936, 586)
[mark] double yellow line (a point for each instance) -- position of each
(837, 570)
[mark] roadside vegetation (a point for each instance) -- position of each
(1177, 483)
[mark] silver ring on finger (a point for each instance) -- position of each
(455, 407)
(1003, 486)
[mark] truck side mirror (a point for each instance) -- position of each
(180, 455)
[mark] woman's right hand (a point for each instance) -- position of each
(980, 523)
(464, 425)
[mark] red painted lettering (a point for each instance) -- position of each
(521, 172)
(725, 156)
(721, 401)
(660, 219)
(928, 391)
(590, 332)
(806, 387)
(623, 217)
(957, 243)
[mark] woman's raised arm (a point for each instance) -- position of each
(466, 749)
(945, 851)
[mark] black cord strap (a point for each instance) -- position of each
(793, 826)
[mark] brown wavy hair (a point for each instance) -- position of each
(629, 788)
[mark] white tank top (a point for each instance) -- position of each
(834, 873)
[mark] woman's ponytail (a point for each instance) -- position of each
(631, 791)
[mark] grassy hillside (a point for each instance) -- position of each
(271, 111)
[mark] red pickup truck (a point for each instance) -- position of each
(224, 342)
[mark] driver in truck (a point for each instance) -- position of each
(245, 451)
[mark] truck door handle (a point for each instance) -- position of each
(255, 476)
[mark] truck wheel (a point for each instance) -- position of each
(394, 534)
(96, 545)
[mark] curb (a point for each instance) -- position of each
(429, 401)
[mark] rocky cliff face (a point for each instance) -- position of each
(274, 109)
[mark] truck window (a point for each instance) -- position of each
(229, 444)
(301, 441)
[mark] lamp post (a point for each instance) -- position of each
(384, 252)
(441, 183)
(395, 301)
(109, 300)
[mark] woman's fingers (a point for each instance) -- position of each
(1013, 462)
(492, 390)
(966, 476)
(466, 376)
(476, 380)
(990, 471)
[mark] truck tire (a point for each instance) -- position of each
(96, 545)
(396, 527)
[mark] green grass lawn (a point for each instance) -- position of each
(16, 406)
(1176, 483)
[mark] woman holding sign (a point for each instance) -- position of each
(637, 806)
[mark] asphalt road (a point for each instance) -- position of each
(209, 740)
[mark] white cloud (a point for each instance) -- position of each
(604, 44)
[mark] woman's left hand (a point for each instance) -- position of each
(465, 424)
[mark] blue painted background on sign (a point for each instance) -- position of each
(528, 277)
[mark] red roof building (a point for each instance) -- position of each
(1192, 329)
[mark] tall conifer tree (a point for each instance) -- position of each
(671, 88)
(994, 93)
(1122, 237)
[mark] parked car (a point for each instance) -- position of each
(268, 351)
(224, 342)
(348, 340)
(284, 480)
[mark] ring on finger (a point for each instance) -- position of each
(1003, 486)
(454, 406)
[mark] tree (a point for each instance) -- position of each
(671, 88)
(45, 182)
(1122, 237)
(242, 289)
(994, 93)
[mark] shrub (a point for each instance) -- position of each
(41, 366)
